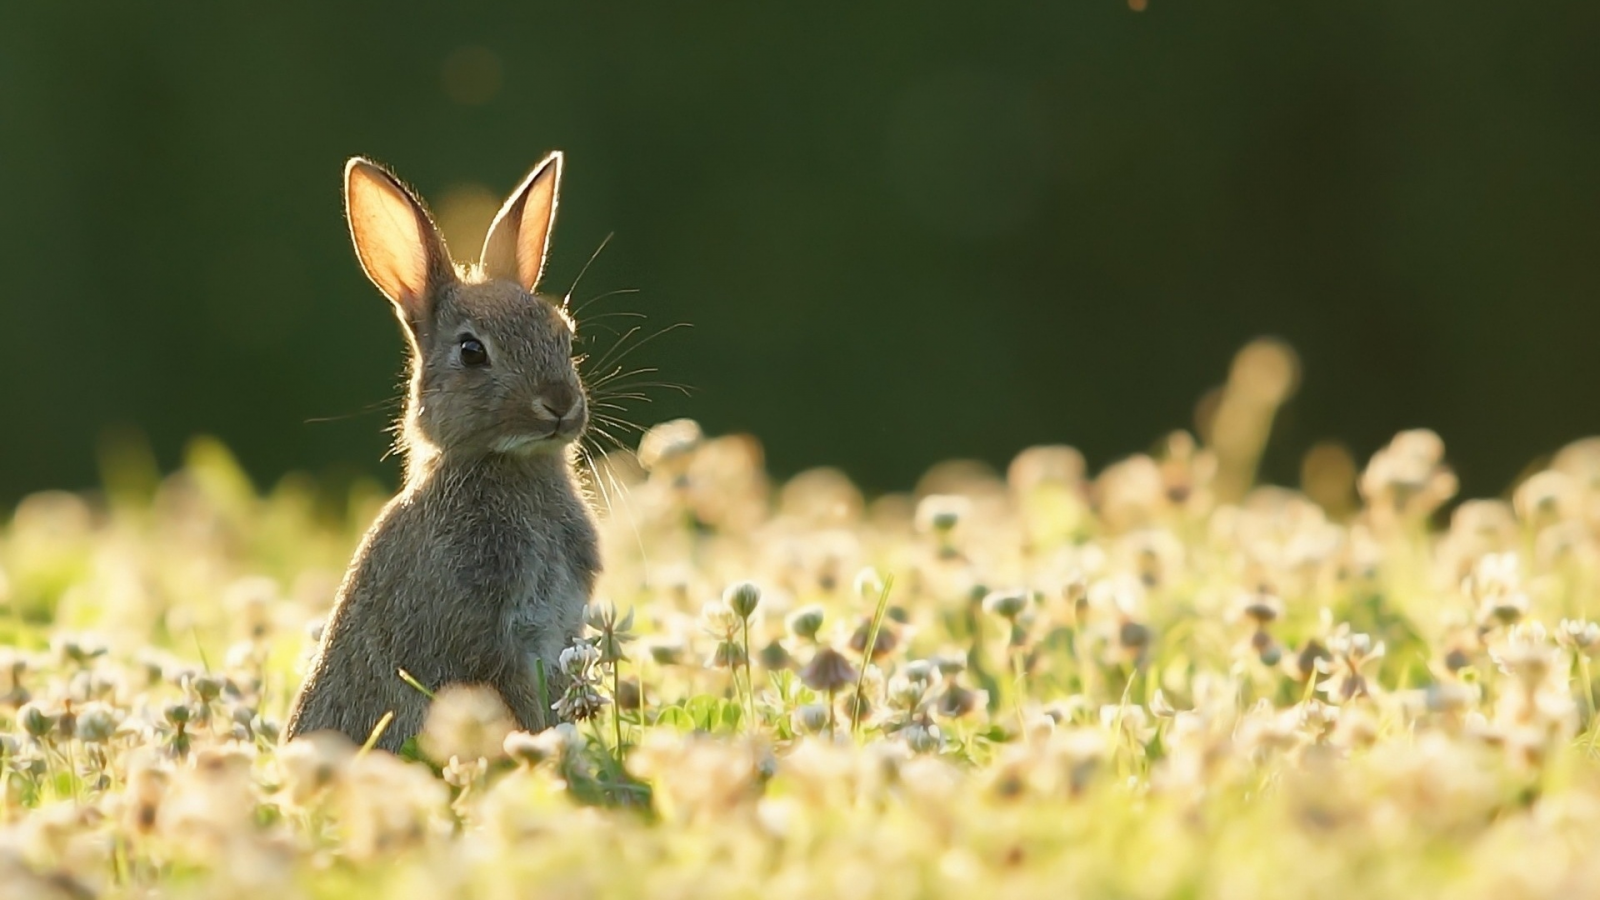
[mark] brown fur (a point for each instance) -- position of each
(482, 565)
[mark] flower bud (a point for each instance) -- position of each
(95, 724)
(804, 623)
(35, 720)
(743, 598)
(666, 652)
(208, 687)
(1006, 604)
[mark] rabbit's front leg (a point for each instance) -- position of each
(531, 700)
(534, 679)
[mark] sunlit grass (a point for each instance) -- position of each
(1159, 681)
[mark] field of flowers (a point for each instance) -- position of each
(1156, 680)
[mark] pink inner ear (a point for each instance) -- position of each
(390, 240)
(533, 237)
(514, 249)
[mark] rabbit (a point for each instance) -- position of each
(482, 566)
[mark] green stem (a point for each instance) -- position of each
(749, 678)
(72, 771)
(1588, 696)
(616, 702)
(119, 858)
(541, 686)
(1018, 691)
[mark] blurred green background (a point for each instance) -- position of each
(902, 233)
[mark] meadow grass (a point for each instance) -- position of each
(1158, 680)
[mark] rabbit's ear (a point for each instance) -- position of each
(515, 247)
(399, 247)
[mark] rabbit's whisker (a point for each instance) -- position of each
(621, 341)
(620, 423)
(671, 385)
(600, 477)
(618, 378)
(618, 373)
(601, 432)
(577, 313)
(637, 344)
(585, 336)
(370, 408)
(612, 315)
(566, 299)
(610, 386)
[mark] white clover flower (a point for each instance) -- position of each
(868, 584)
(533, 749)
(580, 702)
(718, 620)
(579, 659)
(581, 699)
(467, 721)
(811, 718)
(907, 694)
(1579, 634)
(96, 723)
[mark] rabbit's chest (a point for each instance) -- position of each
(546, 607)
(528, 557)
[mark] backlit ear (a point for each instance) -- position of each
(396, 240)
(515, 247)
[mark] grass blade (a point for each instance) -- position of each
(408, 679)
(871, 645)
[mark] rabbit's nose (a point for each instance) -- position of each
(558, 399)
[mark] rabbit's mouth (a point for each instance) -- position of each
(559, 435)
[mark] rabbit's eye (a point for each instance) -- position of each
(472, 352)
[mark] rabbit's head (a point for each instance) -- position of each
(491, 368)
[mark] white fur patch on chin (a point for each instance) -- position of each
(524, 445)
